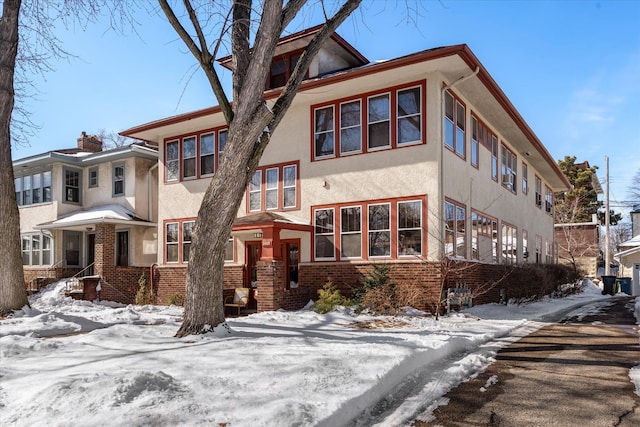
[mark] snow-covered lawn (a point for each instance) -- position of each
(74, 363)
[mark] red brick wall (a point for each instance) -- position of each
(171, 280)
(120, 284)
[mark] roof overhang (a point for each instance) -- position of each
(107, 214)
(620, 255)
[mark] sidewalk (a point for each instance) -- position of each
(566, 374)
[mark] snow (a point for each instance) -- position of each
(76, 363)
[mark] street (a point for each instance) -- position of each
(571, 373)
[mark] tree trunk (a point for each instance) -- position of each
(13, 294)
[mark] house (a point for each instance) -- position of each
(404, 162)
(89, 213)
(579, 243)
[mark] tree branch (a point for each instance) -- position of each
(290, 11)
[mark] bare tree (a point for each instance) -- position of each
(12, 291)
(634, 188)
(250, 121)
(112, 139)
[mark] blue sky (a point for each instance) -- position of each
(572, 69)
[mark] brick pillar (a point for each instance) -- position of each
(105, 250)
(270, 285)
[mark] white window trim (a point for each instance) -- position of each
(398, 229)
(275, 189)
(369, 231)
(350, 233)
(315, 234)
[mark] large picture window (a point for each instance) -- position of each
(370, 229)
(33, 189)
(273, 188)
(36, 250)
(389, 118)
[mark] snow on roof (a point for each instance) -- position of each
(99, 214)
(634, 241)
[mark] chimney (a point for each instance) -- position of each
(90, 143)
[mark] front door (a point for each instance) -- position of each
(252, 258)
(91, 253)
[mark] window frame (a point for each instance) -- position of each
(508, 168)
(329, 130)
(525, 178)
(400, 229)
(363, 100)
(377, 121)
(475, 143)
(358, 126)
(41, 237)
(418, 114)
(180, 241)
(270, 187)
(455, 124)
(255, 188)
(66, 186)
(387, 230)
(350, 232)
(508, 239)
(280, 189)
(331, 234)
(90, 183)
(202, 156)
(37, 185)
(538, 192)
(220, 135)
(455, 230)
(115, 181)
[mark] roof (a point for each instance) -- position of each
(626, 253)
(634, 241)
(482, 90)
(261, 219)
(83, 158)
(106, 214)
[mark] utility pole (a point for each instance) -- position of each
(607, 265)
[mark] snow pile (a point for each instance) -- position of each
(75, 363)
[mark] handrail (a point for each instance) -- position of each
(83, 270)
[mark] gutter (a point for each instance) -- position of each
(149, 192)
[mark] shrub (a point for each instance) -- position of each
(378, 294)
(176, 299)
(144, 295)
(329, 298)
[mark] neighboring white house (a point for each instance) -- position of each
(629, 255)
(400, 161)
(89, 212)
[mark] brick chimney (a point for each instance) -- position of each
(90, 143)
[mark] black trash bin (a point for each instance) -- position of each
(609, 283)
(625, 285)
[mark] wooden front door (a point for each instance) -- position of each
(252, 257)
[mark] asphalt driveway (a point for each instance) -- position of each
(571, 373)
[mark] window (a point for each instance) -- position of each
(273, 188)
(538, 192)
(228, 251)
(525, 245)
(525, 178)
(118, 180)
(292, 251)
(494, 157)
(33, 189)
(351, 232)
(509, 171)
(379, 121)
(548, 252)
(194, 157)
(373, 121)
(324, 145)
(36, 249)
(255, 192)
(410, 228)
(189, 157)
(71, 242)
(483, 237)
(93, 177)
(71, 186)
(122, 248)
(187, 234)
(538, 249)
(475, 151)
(409, 116)
(172, 242)
(350, 128)
(548, 200)
(455, 218)
(373, 229)
(281, 70)
(289, 182)
(509, 244)
(207, 154)
(454, 124)
(380, 230)
(324, 236)
(172, 161)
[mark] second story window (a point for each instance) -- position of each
(538, 192)
(379, 131)
(509, 174)
(172, 161)
(324, 146)
(548, 200)
(118, 180)
(194, 156)
(93, 177)
(525, 178)
(273, 188)
(189, 157)
(72, 186)
(454, 124)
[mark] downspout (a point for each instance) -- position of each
(149, 192)
(441, 189)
